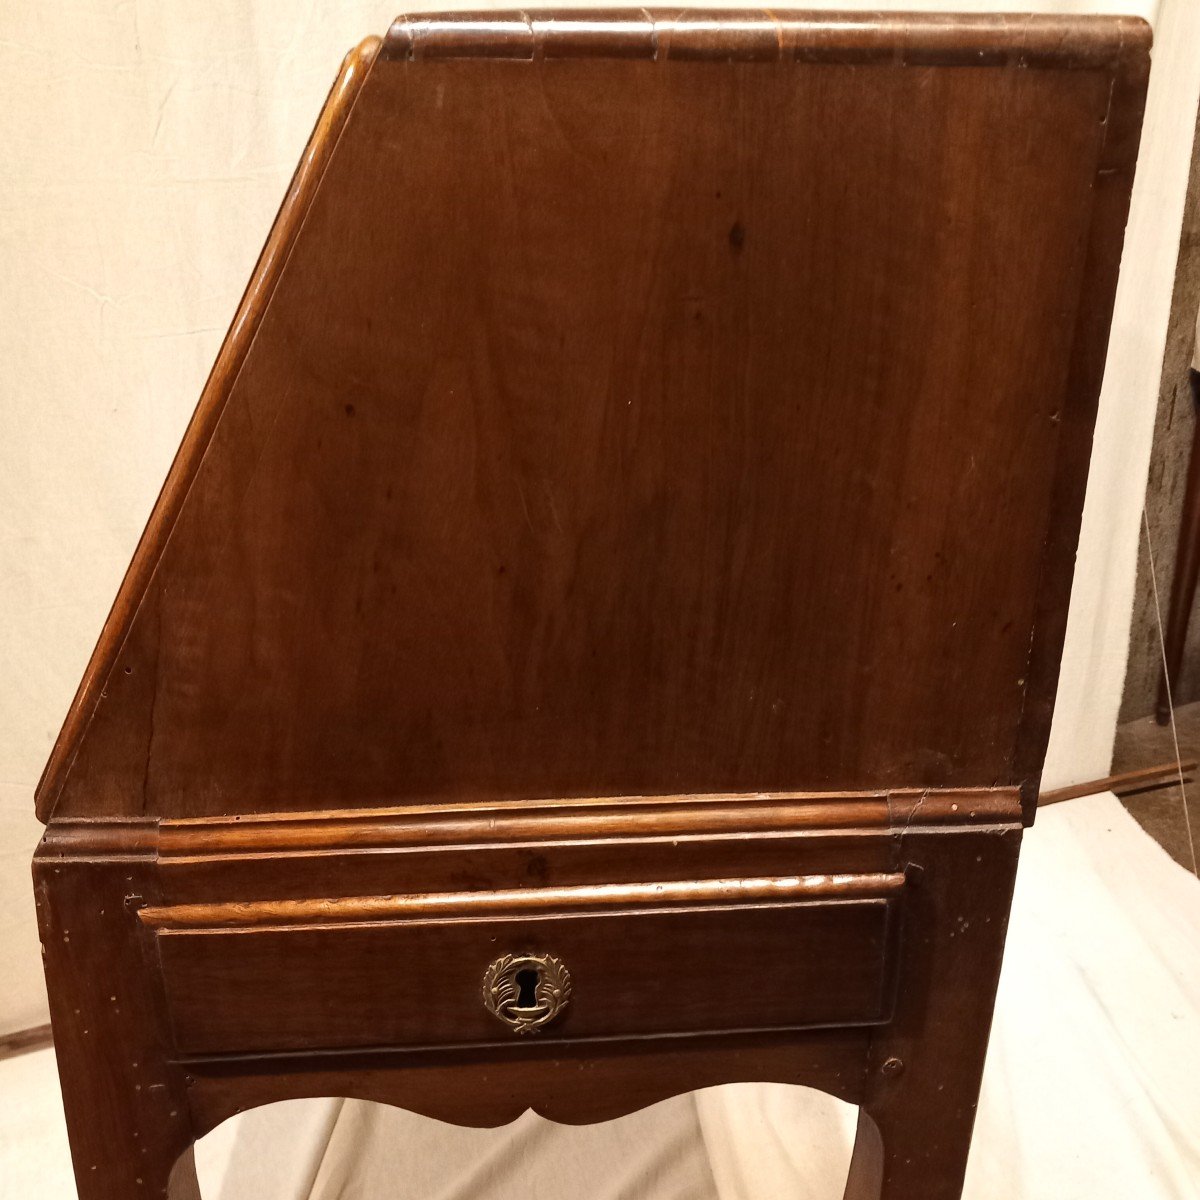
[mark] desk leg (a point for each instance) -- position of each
(126, 1105)
(914, 1129)
(183, 1184)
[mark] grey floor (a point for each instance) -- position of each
(1161, 813)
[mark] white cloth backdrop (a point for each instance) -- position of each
(147, 144)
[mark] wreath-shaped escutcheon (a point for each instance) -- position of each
(526, 991)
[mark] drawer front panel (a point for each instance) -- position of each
(414, 983)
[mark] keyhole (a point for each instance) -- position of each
(527, 981)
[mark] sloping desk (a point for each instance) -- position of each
(598, 637)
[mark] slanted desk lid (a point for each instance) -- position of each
(638, 405)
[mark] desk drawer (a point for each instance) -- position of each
(458, 969)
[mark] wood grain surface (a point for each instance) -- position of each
(631, 520)
(633, 973)
(642, 408)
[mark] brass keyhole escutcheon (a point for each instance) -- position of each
(526, 991)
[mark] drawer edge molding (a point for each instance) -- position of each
(526, 822)
(355, 910)
(600, 818)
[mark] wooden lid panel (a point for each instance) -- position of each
(621, 426)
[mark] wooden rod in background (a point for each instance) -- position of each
(1127, 781)
(23, 1041)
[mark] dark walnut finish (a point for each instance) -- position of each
(619, 564)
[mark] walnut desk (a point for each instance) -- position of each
(599, 634)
